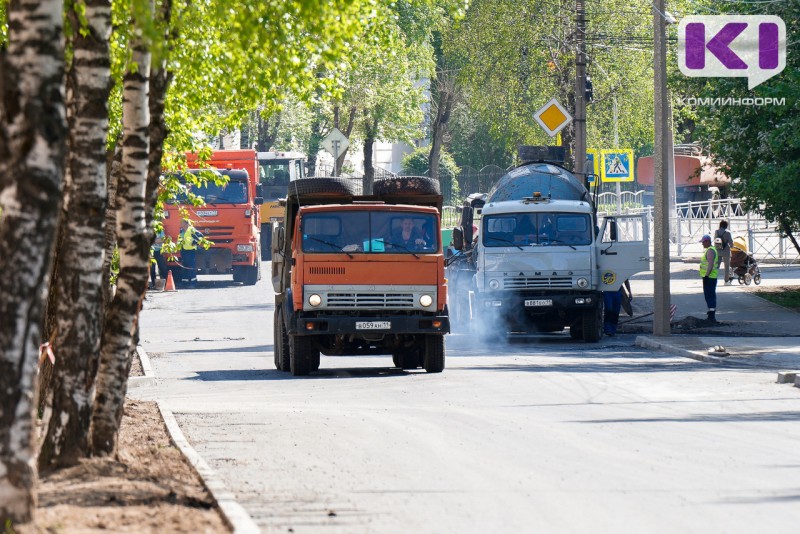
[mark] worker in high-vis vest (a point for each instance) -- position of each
(709, 265)
(187, 242)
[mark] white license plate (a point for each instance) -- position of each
(373, 325)
(540, 302)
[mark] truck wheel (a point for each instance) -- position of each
(238, 273)
(266, 242)
(421, 185)
(592, 325)
(576, 330)
(280, 342)
(251, 275)
(302, 355)
(434, 353)
(407, 359)
(327, 186)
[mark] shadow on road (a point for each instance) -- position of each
(234, 375)
(255, 348)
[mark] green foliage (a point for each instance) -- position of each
(758, 147)
(3, 24)
(517, 55)
(416, 163)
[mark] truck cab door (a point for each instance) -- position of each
(622, 249)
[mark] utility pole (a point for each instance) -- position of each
(580, 92)
(661, 155)
(616, 146)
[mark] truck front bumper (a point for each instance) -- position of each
(539, 302)
(320, 323)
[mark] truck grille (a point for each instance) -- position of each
(537, 282)
(326, 270)
(370, 300)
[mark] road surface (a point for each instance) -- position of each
(541, 434)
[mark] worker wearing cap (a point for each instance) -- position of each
(709, 264)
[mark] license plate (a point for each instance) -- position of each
(540, 302)
(373, 325)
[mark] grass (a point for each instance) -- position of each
(788, 297)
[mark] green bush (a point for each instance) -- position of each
(416, 163)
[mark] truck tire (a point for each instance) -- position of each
(326, 186)
(303, 355)
(266, 242)
(592, 325)
(281, 342)
(407, 359)
(433, 360)
(421, 185)
(250, 274)
(576, 330)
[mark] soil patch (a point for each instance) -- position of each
(148, 487)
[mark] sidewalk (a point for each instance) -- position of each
(753, 331)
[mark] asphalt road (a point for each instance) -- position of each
(538, 435)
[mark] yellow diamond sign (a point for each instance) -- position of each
(552, 117)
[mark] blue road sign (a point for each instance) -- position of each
(617, 165)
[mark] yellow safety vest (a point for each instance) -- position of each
(704, 264)
(187, 239)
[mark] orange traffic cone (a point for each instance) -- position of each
(170, 285)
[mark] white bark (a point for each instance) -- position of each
(32, 136)
(79, 270)
(134, 250)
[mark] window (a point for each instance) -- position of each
(234, 192)
(522, 229)
(370, 232)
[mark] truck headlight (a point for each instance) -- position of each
(494, 284)
(426, 300)
(315, 300)
(583, 283)
(244, 248)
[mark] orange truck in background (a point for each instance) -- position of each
(277, 169)
(360, 275)
(230, 217)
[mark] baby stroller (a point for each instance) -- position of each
(744, 265)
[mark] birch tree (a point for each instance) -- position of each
(32, 140)
(78, 303)
(134, 250)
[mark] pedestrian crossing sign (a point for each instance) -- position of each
(617, 165)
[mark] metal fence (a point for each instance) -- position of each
(692, 220)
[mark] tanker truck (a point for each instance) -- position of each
(542, 259)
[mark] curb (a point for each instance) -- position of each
(232, 512)
(149, 377)
(648, 342)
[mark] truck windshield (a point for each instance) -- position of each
(520, 229)
(234, 192)
(378, 232)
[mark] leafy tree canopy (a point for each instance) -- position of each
(758, 147)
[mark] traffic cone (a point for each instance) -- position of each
(170, 285)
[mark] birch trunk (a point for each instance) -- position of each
(159, 82)
(79, 271)
(134, 251)
(32, 135)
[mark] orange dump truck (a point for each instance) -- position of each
(229, 219)
(360, 275)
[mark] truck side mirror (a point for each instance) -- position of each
(259, 190)
(278, 236)
(258, 201)
(458, 238)
(612, 229)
